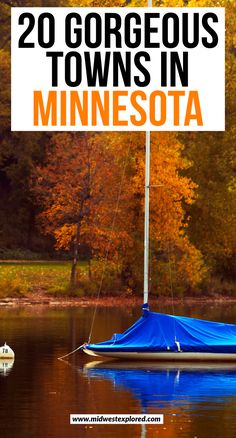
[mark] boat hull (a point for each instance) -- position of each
(164, 356)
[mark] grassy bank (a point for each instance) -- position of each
(21, 278)
(27, 278)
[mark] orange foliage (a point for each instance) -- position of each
(97, 180)
(80, 184)
(170, 192)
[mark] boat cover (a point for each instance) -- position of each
(157, 332)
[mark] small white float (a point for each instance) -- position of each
(6, 352)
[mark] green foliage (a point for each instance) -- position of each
(217, 286)
(37, 276)
(104, 280)
(19, 254)
(64, 291)
(10, 288)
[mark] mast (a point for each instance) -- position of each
(146, 219)
(146, 212)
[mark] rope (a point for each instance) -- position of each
(72, 352)
(109, 244)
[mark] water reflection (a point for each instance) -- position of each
(6, 366)
(164, 385)
(41, 392)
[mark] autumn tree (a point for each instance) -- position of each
(19, 153)
(170, 193)
(212, 221)
(84, 177)
(202, 171)
(78, 188)
(213, 216)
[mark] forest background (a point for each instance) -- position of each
(80, 196)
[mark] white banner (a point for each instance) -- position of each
(116, 419)
(136, 69)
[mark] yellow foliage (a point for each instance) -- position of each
(97, 3)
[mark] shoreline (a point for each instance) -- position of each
(43, 300)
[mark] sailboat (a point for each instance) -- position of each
(157, 336)
(162, 337)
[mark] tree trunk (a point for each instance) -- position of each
(73, 275)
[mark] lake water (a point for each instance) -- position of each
(39, 392)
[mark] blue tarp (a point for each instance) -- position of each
(160, 332)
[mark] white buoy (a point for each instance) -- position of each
(6, 352)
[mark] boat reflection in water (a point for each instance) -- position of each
(169, 384)
(6, 366)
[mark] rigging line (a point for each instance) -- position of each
(109, 242)
(171, 285)
(170, 278)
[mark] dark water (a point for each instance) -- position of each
(39, 392)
